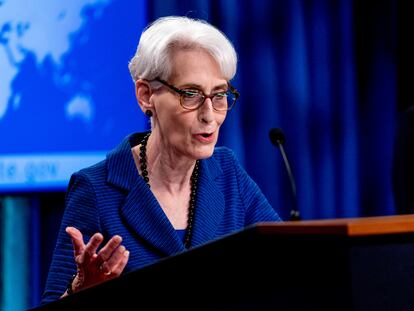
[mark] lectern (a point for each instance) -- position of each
(340, 264)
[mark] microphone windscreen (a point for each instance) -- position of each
(276, 136)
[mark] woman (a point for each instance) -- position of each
(161, 192)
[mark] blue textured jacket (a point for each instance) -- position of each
(110, 197)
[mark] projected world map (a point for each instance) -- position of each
(46, 37)
(65, 89)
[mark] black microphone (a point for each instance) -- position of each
(278, 139)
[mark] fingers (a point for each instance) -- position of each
(109, 265)
(90, 249)
(111, 259)
(119, 267)
(83, 253)
(106, 252)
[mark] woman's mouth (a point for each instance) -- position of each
(205, 137)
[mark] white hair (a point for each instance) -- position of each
(152, 58)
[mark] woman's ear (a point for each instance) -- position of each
(143, 93)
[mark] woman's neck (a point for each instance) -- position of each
(167, 169)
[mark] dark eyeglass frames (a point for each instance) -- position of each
(192, 99)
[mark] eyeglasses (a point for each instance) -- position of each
(192, 99)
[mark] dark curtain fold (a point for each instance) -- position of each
(325, 73)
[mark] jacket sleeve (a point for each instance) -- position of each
(257, 206)
(80, 212)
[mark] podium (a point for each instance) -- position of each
(339, 264)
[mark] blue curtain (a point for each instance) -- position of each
(324, 72)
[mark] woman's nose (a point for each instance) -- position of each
(206, 111)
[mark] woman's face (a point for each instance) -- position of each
(192, 134)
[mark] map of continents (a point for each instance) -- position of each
(63, 69)
(66, 96)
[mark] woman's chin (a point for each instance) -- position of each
(204, 152)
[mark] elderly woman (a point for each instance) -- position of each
(164, 191)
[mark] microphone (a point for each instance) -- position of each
(278, 139)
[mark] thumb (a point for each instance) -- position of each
(77, 240)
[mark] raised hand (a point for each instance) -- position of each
(95, 267)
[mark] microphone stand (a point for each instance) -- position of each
(278, 138)
(294, 213)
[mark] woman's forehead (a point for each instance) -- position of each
(196, 68)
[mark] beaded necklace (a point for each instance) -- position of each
(193, 179)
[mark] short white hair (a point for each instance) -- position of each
(158, 41)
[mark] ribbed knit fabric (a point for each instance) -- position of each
(110, 197)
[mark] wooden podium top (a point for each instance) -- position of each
(363, 226)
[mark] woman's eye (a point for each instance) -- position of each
(220, 95)
(191, 94)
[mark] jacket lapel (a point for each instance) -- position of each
(146, 217)
(210, 203)
(140, 209)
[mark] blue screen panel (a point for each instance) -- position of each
(66, 96)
